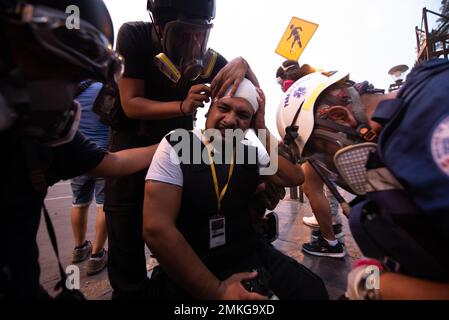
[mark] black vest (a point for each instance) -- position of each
(199, 203)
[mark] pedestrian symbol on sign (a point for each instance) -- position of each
(295, 38)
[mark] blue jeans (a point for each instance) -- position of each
(83, 189)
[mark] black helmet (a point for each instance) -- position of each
(49, 46)
(92, 11)
(183, 28)
(40, 27)
(192, 9)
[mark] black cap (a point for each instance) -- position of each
(194, 9)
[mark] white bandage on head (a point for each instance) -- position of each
(247, 91)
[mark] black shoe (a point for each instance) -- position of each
(271, 226)
(322, 248)
(338, 232)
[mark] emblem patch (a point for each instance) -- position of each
(440, 145)
(299, 92)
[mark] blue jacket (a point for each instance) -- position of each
(415, 143)
(408, 229)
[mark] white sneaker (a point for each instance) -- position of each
(311, 222)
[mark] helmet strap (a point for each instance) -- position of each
(338, 138)
(363, 132)
(156, 29)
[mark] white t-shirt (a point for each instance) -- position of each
(165, 165)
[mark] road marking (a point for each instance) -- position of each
(61, 183)
(58, 198)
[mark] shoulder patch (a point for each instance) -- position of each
(440, 145)
(299, 92)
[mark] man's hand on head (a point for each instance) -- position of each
(231, 75)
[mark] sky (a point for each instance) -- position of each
(365, 38)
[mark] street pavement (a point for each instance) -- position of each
(292, 233)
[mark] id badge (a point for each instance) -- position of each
(217, 232)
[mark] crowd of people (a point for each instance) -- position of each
(196, 197)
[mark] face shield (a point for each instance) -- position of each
(185, 51)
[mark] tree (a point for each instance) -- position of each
(444, 22)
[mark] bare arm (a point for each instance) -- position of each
(288, 173)
(394, 286)
(125, 162)
(136, 106)
(179, 261)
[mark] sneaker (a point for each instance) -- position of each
(338, 232)
(311, 222)
(322, 248)
(82, 253)
(97, 264)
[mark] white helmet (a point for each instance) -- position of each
(295, 116)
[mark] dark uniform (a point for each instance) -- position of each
(41, 64)
(405, 221)
(138, 44)
(22, 203)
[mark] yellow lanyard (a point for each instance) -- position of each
(220, 195)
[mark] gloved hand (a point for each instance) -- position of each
(363, 280)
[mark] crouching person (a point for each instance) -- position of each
(196, 216)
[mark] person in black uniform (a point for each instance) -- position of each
(167, 67)
(41, 64)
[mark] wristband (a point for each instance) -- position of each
(180, 108)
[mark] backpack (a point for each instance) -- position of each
(107, 105)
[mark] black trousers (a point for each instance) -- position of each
(126, 256)
(19, 260)
(289, 279)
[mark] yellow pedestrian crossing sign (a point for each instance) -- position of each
(295, 38)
